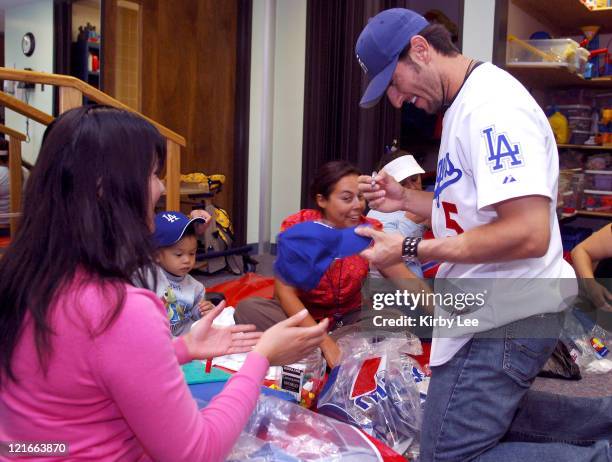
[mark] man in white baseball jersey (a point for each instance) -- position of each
(493, 216)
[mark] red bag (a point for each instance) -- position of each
(249, 285)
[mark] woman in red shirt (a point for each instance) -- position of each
(338, 295)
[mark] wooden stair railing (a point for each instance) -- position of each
(14, 138)
(71, 93)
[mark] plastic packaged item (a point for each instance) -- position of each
(281, 431)
(587, 342)
(305, 378)
(547, 52)
(598, 179)
(580, 136)
(374, 389)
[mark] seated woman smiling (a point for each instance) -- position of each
(338, 295)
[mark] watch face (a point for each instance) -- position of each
(28, 44)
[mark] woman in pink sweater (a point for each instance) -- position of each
(86, 358)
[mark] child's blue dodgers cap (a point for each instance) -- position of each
(306, 250)
(171, 226)
(379, 46)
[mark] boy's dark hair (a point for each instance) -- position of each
(86, 212)
(438, 37)
(328, 175)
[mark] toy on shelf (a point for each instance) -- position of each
(600, 62)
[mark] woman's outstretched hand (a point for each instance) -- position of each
(206, 341)
(286, 342)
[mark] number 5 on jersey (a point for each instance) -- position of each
(450, 208)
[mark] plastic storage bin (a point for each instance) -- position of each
(579, 136)
(575, 110)
(580, 123)
(600, 180)
(597, 201)
(547, 52)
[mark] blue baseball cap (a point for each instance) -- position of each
(306, 250)
(379, 46)
(171, 226)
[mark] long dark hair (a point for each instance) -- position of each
(86, 207)
(328, 175)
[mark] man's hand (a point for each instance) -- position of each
(387, 247)
(382, 192)
(200, 228)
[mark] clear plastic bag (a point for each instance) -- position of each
(587, 343)
(304, 379)
(281, 431)
(374, 389)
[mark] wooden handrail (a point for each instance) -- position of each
(24, 109)
(12, 133)
(71, 93)
(87, 90)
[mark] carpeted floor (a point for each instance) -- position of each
(589, 386)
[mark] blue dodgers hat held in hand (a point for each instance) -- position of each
(306, 250)
(171, 226)
(379, 46)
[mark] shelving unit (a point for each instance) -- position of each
(586, 147)
(80, 61)
(566, 16)
(587, 213)
(548, 76)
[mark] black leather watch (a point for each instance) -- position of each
(410, 248)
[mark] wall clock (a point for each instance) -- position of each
(28, 44)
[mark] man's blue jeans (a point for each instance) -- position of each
(479, 406)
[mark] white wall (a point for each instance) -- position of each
(35, 17)
(478, 23)
(289, 73)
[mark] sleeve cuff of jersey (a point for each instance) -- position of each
(511, 193)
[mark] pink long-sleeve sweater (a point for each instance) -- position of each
(120, 395)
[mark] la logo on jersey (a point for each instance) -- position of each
(446, 175)
(502, 153)
(366, 383)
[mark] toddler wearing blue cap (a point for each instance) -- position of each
(181, 293)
